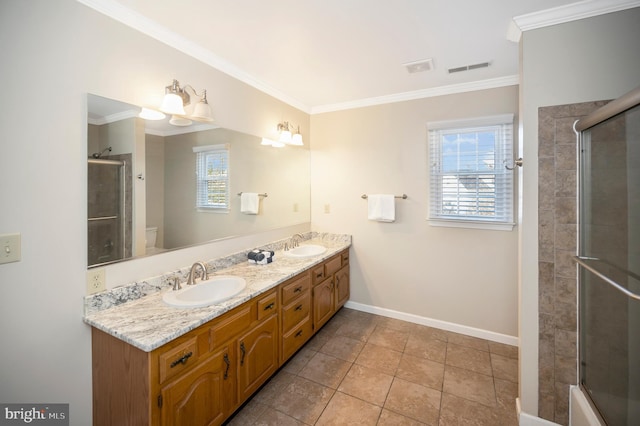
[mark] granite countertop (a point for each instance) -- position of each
(148, 323)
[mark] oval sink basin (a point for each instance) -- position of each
(205, 293)
(308, 250)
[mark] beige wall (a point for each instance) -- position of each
(54, 54)
(462, 276)
(586, 60)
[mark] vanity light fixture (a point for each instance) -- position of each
(176, 98)
(287, 136)
(270, 142)
(151, 114)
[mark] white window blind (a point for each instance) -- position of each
(469, 184)
(212, 177)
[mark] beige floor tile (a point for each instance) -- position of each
(459, 411)
(357, 329)
(426, 347)
(506, 394)
(343, 347)
(468, 358)
(274, 387)
(468, 341)
(325, 370)
(379, 358)
(389, 338)
(504, 350)
(427, 332)
(395, 324)
(319, 340)
(469, 385)
(299, 360)
(421, 371)
(389, 418)
(249, 414)
(414, 401)
(273, 417)
(504, 368)
(346, 410)
(303, 400)
(367, 384)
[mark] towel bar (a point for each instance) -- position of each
(260, 195)
(403, 196)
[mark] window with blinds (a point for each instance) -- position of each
(212, 177)
(470, 186)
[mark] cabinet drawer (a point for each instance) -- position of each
(297, 337)
(177, 359)
(345, 257)
(317, 274)
(229, 325)
(267, 305)
(332, 265)
(296, 311)
(295, 288)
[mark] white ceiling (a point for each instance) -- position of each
(327, 54)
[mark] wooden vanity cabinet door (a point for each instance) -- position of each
(322, 303)
(257, 353)
(341, 287)
(202, 396)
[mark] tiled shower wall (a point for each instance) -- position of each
(557, 236)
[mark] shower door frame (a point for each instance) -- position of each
(618, 106)
(122, 210)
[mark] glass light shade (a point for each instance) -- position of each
(297, 139)
(285, 136)
(151, 114)
(277, 144)
(180, 121)
(266, 141)
(172, 104)
(202, 112)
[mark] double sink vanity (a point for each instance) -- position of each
(165, 359)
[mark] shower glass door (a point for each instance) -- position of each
(106, 211)
(609, 273)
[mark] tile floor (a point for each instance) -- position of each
(364, 369)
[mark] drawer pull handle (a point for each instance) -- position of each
(269, 306)
(298, 308)
(182, 360)
(297, 289)
(226, 361)
(299, 333)
(319, 275)
(244, 351)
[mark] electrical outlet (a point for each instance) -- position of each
(295, 207)
(10, 248)
(96, 280)
(327, 208)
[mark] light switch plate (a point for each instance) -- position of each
(10, 248)
(96, 280)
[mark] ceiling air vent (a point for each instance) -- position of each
(469, 67)
(419, 66)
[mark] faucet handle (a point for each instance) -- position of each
(176, 283)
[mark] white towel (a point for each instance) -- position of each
(382, 207)
(249, 203)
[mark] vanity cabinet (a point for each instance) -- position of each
(202, 377)
(297, 324)
(330, 288)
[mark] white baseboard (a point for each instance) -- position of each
(525, 419)
(430, 322)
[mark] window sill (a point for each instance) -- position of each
(212, 210)
(470, 224)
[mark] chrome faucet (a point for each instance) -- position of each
(192, 279)
(295, 240)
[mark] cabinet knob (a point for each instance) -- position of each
(269, 306)
(299, 333)
(298, 308)
(297, 289)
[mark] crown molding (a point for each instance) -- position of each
(567, 13)
(156, 31)
(511, 80)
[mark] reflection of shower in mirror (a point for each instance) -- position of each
(99, 154)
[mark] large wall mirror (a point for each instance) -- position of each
(142, 184)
